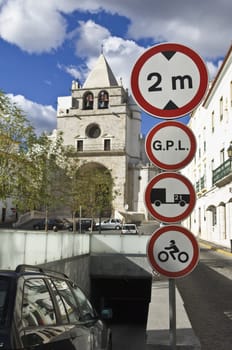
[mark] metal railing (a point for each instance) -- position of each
(222, 171)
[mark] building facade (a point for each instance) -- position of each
(211, 169)
(103, 123)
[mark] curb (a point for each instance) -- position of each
(215, 248)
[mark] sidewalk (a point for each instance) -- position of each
(158, 333)
(158, 328)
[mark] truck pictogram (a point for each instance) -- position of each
(158, 197)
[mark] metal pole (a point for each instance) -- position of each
(80, 215)
(172, 313)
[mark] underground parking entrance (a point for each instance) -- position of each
(128, 297)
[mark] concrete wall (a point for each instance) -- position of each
(119, 265)
(77, 268)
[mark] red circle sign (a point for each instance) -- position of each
(170, 145)
(169, 80)
(170, 197)
(173, 251)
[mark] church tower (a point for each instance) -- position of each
(103, 123)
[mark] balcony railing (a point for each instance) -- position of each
(222, 174)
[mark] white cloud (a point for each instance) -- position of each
(91, 38)
(42, 118)
(38, 26)
(204, 26)
(74, 71)
(34, 26)
(121, 54)
(213, 68)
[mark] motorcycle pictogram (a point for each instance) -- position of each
(174, 252)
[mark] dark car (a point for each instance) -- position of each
(41, 309)
(52, 224)
(82, 225)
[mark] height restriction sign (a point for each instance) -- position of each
(169, 80)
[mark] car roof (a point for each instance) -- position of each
(24, 269)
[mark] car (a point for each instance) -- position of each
(130, 229)
(109, 224)
(53, 224)
(82, 225)
(42, 309)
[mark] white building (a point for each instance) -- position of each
(103, 123)
(211, 170)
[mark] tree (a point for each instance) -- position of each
(39, 172)
(16, 139)
(29, 164)
(90, 188)
(48, 157)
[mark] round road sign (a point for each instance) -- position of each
(173, 251)
(169, 80)
(170, 145)
(170, 197)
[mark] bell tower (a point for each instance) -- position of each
(103, 123)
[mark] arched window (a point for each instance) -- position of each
(88, 101)
(103, 99)
(213, 211)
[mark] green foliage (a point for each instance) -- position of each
(41, 173)
(29, 164)
(16, 138)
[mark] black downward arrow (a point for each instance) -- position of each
(168, 54)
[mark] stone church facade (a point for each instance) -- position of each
(103, 123)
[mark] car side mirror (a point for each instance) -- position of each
(106, 314)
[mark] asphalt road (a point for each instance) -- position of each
(129, 336)
(207, 295)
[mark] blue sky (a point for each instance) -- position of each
(46, 44)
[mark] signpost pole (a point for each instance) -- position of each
(172, 313)
(165, 93)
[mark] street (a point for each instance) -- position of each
(207, 295)
(129, 336)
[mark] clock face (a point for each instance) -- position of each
(93, 131)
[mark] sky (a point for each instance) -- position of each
(46, 44)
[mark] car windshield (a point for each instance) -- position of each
(129, 227)
(4, 287)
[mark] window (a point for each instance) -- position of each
(204, 146)
(88, 101)
(93, 131)
(86, 309)
(222, 156)
(103, 100)
(37, 308)
(214, 216)
(212, 121)
(204, 139)
(107, 145)
(61, 305)
(221, 108)
(4, 288)
(231, 93)
(68, 300)
(80, 145)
